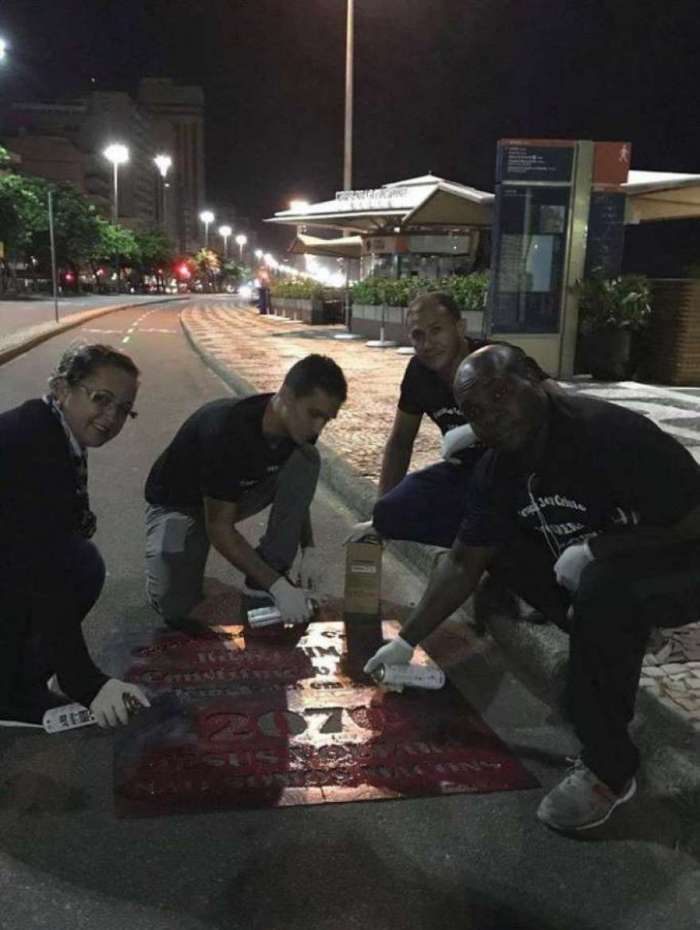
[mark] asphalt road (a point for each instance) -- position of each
(16, 315)
(474, 862)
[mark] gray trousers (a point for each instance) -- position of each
(177, 545)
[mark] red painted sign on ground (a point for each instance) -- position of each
(277, 720)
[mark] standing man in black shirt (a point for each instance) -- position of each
(228, 461)
(577, 504)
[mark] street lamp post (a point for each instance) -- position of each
(207, 217)
(163, 163)
(349, 55)
(225, 232)
(241, 241)
(118, 154)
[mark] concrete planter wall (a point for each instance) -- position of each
(309, 311)
(674, 331)
(367, 320)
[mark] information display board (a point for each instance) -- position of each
(530, 247)
(523, 161)
(606, 234)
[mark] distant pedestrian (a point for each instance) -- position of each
(229, 460)
(51, 573)
(591, 513)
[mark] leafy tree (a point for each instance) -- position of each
(233, 273)
(155, 248)
(208, 265)
(5, 157)
(115, 242)
(21, 211)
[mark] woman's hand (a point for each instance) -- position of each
(110, 707)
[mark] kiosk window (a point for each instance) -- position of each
(530, 246)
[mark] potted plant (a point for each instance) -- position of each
(613, 314)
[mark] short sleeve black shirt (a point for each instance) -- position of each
(424, 392)
(604, 468)
(219, 452)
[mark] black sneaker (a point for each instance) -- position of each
(27, 710)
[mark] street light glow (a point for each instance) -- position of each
(241, 239)
(225, 231)
(3, 49)
(207, 217)
(164, 163)
(299, 206)
(117, 153)
(258, 254)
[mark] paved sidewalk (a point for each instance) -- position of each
(253, 352)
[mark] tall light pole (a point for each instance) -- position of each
(163, 163)
(207, 217)
(349, 55)
(241, 241)
(118, 154)
(225, 232)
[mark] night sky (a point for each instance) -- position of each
(437, 82)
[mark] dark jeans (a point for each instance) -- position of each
(427, 506)
(40, 623)
(618, 602)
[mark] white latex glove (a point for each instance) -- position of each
(361, 531)
(397, 652)
(454, 440)
(109, 706)
(310, 568)
(570, 565)
(290, 601)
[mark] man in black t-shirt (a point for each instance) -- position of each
(585, 509)
(426, 506)
(228, 461)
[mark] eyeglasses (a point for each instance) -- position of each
(105, 400)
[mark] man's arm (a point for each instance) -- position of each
(220, 518)
(451, 583)
(398, 450)
(687, 529)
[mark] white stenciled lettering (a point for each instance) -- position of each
(447, 412)
(553, 500)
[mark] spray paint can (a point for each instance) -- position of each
(67, 717)
(269, 615)
(412, 676)
(72, 716)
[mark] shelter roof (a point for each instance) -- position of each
(661, 195)
(422, 201)
(343, 247)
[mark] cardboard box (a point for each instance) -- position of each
(363, 577)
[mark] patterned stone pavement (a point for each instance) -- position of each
(261, 348)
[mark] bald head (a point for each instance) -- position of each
(499, 394)
(493, 361)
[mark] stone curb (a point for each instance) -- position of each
(25, 339)
(535, 652)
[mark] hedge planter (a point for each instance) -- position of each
(366, 321)
(312, 311)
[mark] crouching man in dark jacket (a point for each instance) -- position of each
(585, 509)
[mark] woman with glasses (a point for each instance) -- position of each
(51, 573)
